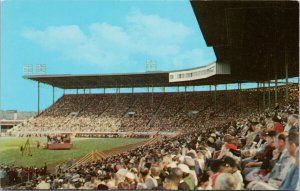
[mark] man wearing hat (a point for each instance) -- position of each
(193, 154)
(191, 164)
(171, 182)
(230, 149)
(263, 160)
(251, 133)
(43, 184)
(278, 127)
(130, 179)
(151, 183)
(211, 144)
(155, 172)
(294, 120)
(186, 183)
(124, 186)
(291, 180)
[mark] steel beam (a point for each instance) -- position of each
(286, 79)
(257, 91)
(264, 96)
(53, 94)
(215, 98)
(240, 97)
(269, 95)
(38, 98)
(184, 95)
(276, 84)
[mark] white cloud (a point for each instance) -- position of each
(112, 34)
(59, 37)
(191, 58)
(104, 44)
(153, 28)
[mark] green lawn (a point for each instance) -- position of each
(10, 150)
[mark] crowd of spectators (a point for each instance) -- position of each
(143, 111)
(257, 151)
(12, 175)
(57, 139)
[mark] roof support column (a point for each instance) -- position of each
(38, 98)
(152, 99)
(184, 96)
(76, 91)
(286, 78)
(53, 94)
(210, 92)
(83, 91)
(269, 80)
(117, 90)
(104, 90)
(64, 91)
(215, 98)
(225, 94)
(269, 95)
(276, 84)
(264, 96)
(240, 97)
(257, 91)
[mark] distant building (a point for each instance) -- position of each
(11, 118)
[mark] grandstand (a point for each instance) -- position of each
(222, 139)
(79, 113)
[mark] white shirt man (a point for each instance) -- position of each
(43, 185)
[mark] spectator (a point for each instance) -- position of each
(291, 181)
(184, 161)
(294, 124)
(171, 182)
(278, 127)
(262, 165)
(226, 182)
(43, 184)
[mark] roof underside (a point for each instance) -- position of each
(122, 81)
(255, 37)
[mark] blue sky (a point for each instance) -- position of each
(93, 36)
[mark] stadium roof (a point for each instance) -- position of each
(143, 79)
(253, 37)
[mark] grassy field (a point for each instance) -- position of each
(10, 150)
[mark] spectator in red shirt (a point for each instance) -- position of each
(278, 127)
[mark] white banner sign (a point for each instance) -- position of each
(193, 74)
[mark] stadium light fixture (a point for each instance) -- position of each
(41, 69)
(28, 69)
(150, 66)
